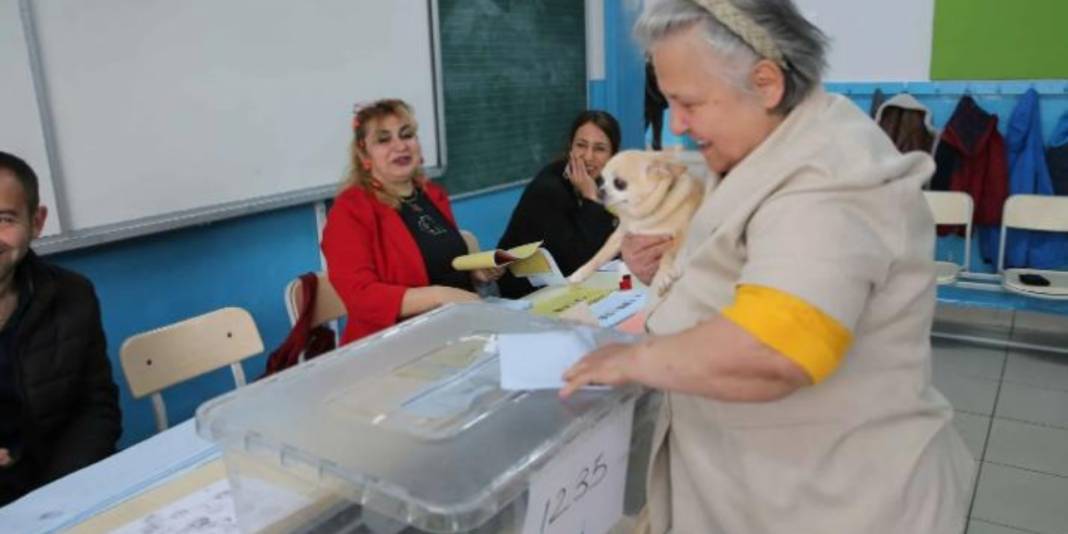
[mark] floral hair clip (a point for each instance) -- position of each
(356, 109)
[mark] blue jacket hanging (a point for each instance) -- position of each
(1057, 156)
(1029, 174)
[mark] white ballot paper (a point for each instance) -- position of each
(538, 361)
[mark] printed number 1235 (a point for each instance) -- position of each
(558, 504)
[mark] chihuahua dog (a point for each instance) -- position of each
(652, 194)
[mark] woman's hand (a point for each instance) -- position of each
(581, 180)
(642, 254)
(609, 365)
(485, 276)
(445, 294)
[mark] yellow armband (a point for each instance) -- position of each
(796, 329)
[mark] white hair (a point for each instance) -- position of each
(802, 45)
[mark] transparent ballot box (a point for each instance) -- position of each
(406, 431)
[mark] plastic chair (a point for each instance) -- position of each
(155, 360)
(951, 207)
(1034, 212)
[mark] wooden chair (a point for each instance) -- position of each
(155, 360)
(328, 306)
(1034, 212)
(951, 207)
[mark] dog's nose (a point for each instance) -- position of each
(620, 184)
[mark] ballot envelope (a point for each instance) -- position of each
(404, 431)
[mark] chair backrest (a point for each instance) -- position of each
(470, 240)
(1032, 212)
(954, 207)
(328, 305)
(155, 360)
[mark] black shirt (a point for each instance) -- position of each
(573, 228)
(10, 404)
(438, 241)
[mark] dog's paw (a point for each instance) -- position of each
(665, 279)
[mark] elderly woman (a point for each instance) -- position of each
(793, 347)
(390, 237)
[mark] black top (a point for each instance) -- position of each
(438, 241)
(69, 405)
(10, 405)
(550, 210)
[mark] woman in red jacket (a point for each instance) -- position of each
(390, 237)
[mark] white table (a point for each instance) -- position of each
(72, 499)
(93, 490)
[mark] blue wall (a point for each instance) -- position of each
(622, 92)
(153, 281)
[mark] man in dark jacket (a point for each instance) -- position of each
(59, 408)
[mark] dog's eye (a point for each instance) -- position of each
(599, 181)
(620, 184)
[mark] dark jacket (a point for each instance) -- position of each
(69, 402)
(1057, 156)
(971, 158)
(550, 210)
(908, 123)
(1029, 175)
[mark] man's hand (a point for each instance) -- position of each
(642, 254)
(5, 458)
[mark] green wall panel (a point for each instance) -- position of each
(999, 39)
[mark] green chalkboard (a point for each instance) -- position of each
(514, 78)
(999, 39)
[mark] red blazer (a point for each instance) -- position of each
(372, 258)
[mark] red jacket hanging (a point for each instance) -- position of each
(372, 258)
(971, 158)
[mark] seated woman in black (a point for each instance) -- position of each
(561, 207)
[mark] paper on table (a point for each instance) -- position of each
(538, 361)
(212, 509)
(618, 307)
(209, 509)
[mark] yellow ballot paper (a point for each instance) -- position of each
(495, 258)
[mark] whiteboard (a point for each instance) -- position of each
(875, 40)
(162, 107)
(21, 133)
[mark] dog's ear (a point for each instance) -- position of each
(665, 168)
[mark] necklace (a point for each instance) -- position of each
(412, 201)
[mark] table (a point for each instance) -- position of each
(71, 500)
(98, 489)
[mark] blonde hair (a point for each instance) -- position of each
(359, 175)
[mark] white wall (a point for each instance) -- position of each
(20, 119)
(875, 40)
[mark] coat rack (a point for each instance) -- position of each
(952, 89)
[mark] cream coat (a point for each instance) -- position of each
(825, 209)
